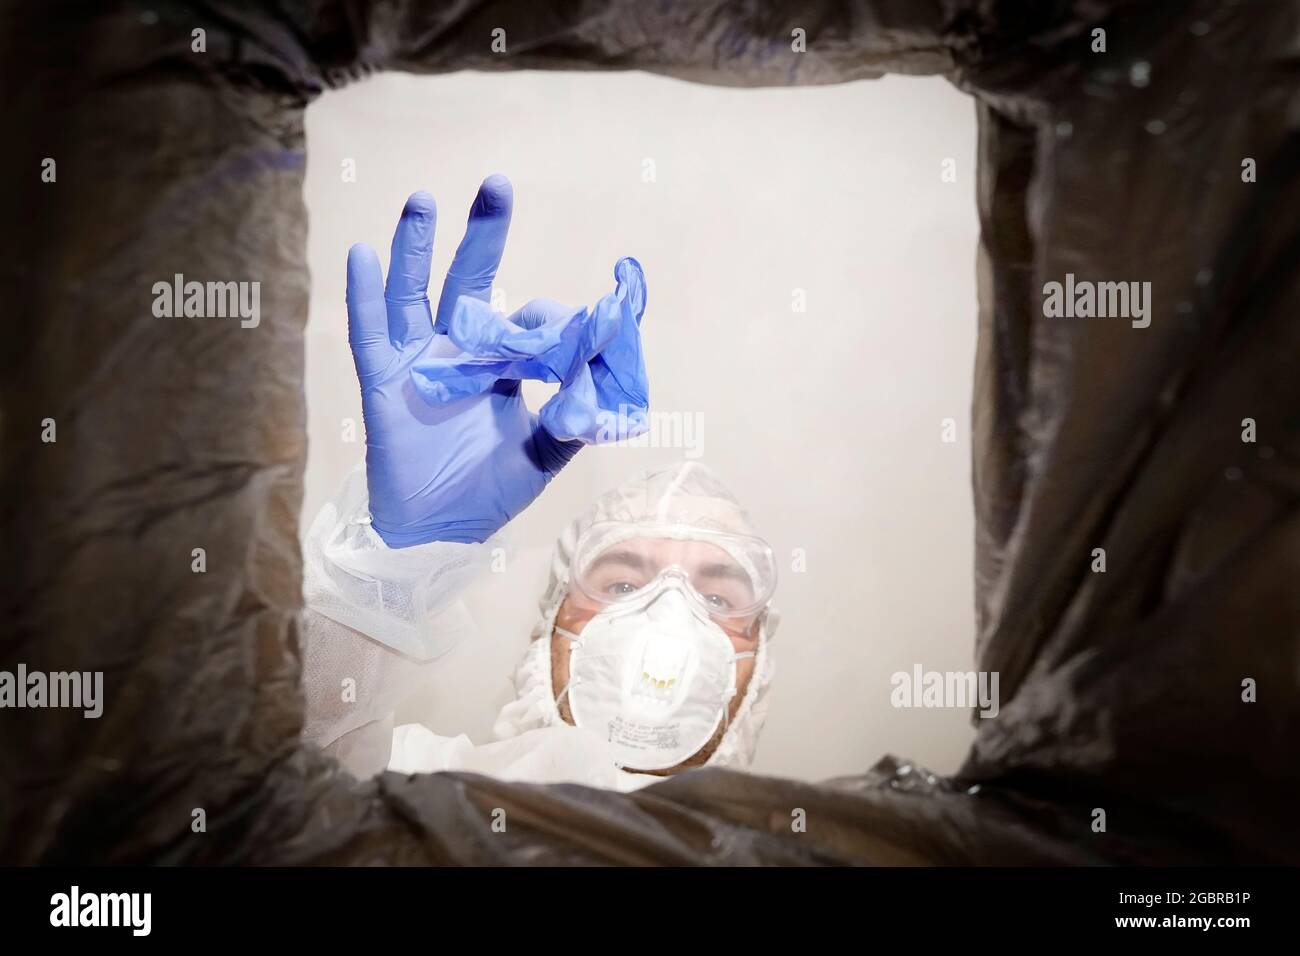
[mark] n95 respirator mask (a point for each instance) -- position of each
(653, 676)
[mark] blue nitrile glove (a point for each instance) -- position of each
(596, 356)
(447, 462)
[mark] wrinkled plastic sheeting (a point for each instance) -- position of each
(1121, 690)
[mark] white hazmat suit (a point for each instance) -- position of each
(378, 619)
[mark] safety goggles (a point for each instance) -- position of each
(730, 575)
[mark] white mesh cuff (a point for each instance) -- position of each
(392, 595)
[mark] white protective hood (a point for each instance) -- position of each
(684, 494)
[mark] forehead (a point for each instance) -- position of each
(661, 552)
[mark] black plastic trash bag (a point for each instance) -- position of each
(1171, 158)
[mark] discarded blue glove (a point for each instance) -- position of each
(595, 355)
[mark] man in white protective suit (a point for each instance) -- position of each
(651, 654)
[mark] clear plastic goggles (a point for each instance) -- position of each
(730, 575)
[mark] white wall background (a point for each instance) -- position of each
(826, 423)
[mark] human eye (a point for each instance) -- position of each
(723, 594)
(717, 602)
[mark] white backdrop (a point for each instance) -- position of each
(826, 422)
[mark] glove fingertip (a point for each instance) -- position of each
(364, 274)
(631, 284)
(568, 418)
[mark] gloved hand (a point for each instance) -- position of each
(452, 452)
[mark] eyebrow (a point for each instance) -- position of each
(717, 570)
(728, 571)
(625, 558)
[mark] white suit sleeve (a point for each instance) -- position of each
(559, 754)
(376, 620)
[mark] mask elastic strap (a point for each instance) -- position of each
(574, 641)
(726, 707)
(564, 693)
